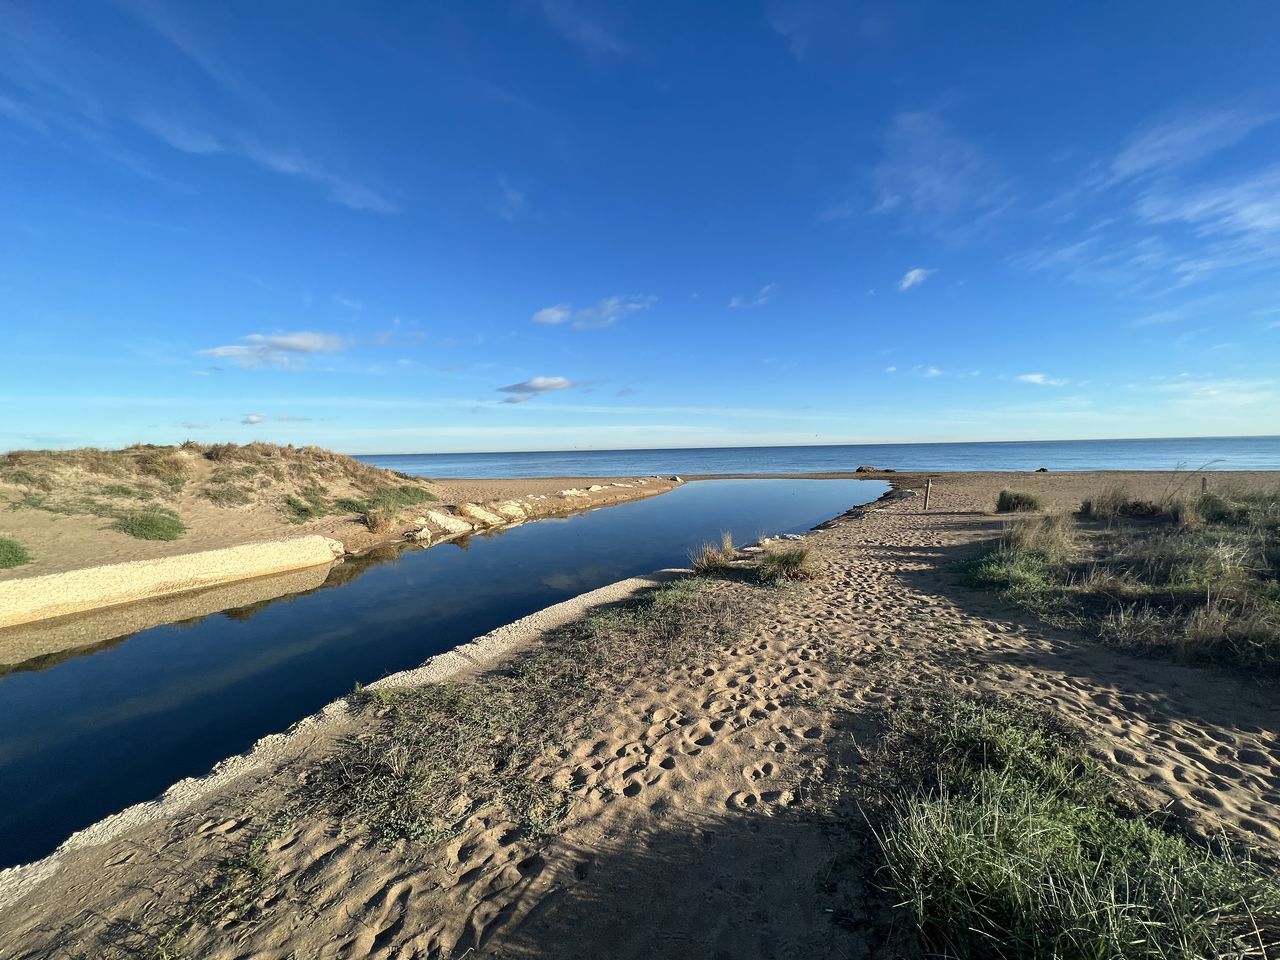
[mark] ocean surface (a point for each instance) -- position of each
(1192, 453)
(85, 736)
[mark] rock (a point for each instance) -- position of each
(480, 515)
(448, 522)
(622, 484)
(336, 547)
(793, 536)
(595, 487)
(675, 480)
(573, 492)
(510, 510)
(900, 495)
(420, 535)
(868, 469)
(1042, 470)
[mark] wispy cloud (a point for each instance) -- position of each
(588, 34)
(933, 180)
(277, 349)
(351, 303)
(759, 300)
(250, 418)
(1179, 141)
(512, 202)
(890, 369)
(605, 313)
(1042, 379)
(535, 387)
(914, 277)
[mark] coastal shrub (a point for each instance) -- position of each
(1116, 502)
(165, 465)
(1017, 501)
(12, 554)
(1002, 838)
(151, 525)
(787, 564)
(434, 749)
(712, 558)
(309, 504)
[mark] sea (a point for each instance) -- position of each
(1183, 453)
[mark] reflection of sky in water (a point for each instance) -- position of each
(91, 735)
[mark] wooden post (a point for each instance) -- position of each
(1204, 485)
(928, 489)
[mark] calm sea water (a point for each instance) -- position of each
(86, 737)
(1218, 453)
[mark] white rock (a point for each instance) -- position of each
(594, 487)
(448, 522)
(336, 547)
(480, 515)
(420, 535)
(510, 510)
(573, 492)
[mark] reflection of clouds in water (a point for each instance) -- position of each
(580, 581)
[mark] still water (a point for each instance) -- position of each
(88, 736)
(1213, 453)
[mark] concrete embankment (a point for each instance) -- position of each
(75, 591)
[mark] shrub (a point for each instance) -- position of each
(1017, 501)
(1052, 537)
(151, 525)
(1116, 502)
(226, 495)
(12, 554)
(165, 465)
(789, 563)
(379, 520)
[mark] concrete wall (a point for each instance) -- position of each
(58, 594)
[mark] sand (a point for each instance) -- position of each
(691, 831)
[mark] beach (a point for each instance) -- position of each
(707, 810)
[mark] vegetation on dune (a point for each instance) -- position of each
(713, 558)
(12, 554)
(151, 525)
(1199, 577)
(1017, 501)
(1002, 838)
(289, 478)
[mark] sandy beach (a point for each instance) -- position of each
(698, 817)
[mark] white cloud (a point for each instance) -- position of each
(759, 300)
(179, 135)
(277, 349)
(535, 387)
(932, 372)
(1042, 379)
(890, 369)
(603, 314)
(254, 418)
(914, 277)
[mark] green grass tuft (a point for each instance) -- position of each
(151, 525)
(1003, 838)
(712, 558)
(12, 554)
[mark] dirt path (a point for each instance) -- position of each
(702, 820)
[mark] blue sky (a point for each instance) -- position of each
(549, 224)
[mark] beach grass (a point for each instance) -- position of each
(151, 525)
(1197, 577)
(712, 558)
(1003, 838)
(12, 554)
(1017, 501)
(786, 564)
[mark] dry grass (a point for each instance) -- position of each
(1197, 577)
(712, 558)
(787, 564)
(1017, 501)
